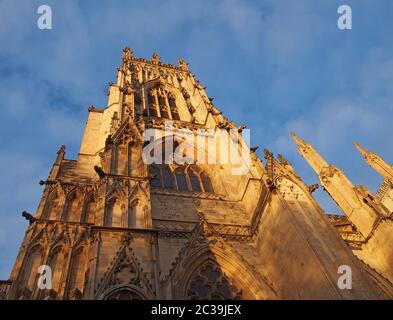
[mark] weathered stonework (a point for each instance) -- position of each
(112, 227)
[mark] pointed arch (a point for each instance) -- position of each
(52, 208)
(125, 274)
(173, 106)
(195, 181)
(162, 98)
(236, 272)
(209, 282)
(137, 214)
(165, 100)
(88, 214)
(181, 179)
(123, 292)
(56, 262)
(77, 272)
(168, 178)
(114, 213)
(169, 174)
(206, 182)
(72, 210)
(152, 102)
(130, 152)
(30, 269)
(155, 171)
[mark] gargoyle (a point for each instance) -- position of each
(313, 187)
(28, 216)
(99, 171)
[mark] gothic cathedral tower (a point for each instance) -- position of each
(130, 221)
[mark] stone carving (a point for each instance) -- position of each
(313, 187)
(183, 65)
(327, 173)
(127, 55)
(28, 217)
(289, 189)
(127, 88)
(155, 58)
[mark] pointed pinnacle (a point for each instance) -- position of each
(297, 139)
(361, 149)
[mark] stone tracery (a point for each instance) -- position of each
(209, 282)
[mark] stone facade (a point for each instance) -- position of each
(112, 226)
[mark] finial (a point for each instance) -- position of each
(183, 64)
(361, 149)
(267, 153)
(62, 149)
(253, 149)
(241, 128)
(299, 142)
(155, 58)
(282, 160)
(127, 54)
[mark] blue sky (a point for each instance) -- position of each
(273, 65)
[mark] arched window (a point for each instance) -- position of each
(77, 271)
(88, 213)
(210, 283)
(114, 215)
(181, 180)
(31, 267)
(129, 158)
(132, 212)
(172, 105)
(71, 212)
(151, 101)
(163, 106)
(52, 207)
(156, 172)
(207, 186)
(114, 160)
(175, 175)
(56, 262)
(124, 294)
(168, 178)
(194, 181)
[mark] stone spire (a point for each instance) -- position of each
(308, 152)
(376, 162)
(56, 165)
(340, 188)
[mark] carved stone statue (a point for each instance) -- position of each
(155, 58)
(183, 64)
(127, 54)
